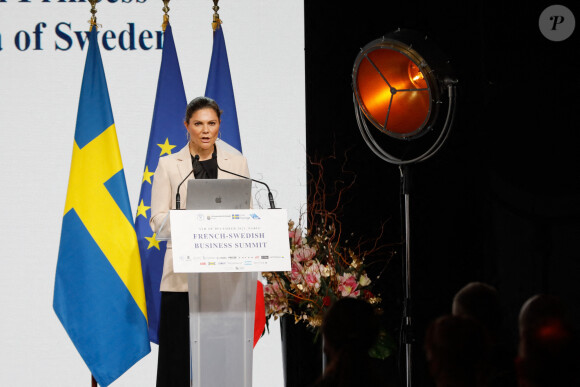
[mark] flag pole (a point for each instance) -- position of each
(93, 22)
(165, 14)
(216, 17)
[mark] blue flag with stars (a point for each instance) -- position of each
(167, 135)
(219, 87)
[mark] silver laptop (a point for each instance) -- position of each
(219, 194)
(212, 194)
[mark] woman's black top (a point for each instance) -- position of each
(206, 169)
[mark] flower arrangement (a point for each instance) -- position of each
(322, 272)
(324, 267)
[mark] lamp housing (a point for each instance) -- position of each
(398, 82)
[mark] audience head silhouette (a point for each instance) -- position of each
(457, 351)
(547, 352)
(350, 329)
(481, 302)
(350, 326)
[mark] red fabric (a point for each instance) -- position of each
(259, 314)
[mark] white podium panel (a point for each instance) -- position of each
(221, 313)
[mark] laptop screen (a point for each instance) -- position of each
(218, 194)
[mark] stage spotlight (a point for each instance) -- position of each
(400, 82)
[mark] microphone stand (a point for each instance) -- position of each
(270, 196)
(177, 195)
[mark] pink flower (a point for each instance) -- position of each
(304, 253)
(272, 289)
(347, 285)
(312, 277)
(275, 301)
(297, 272)
(295, 237)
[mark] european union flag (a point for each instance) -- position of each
(167, 134)
(98, 291)
(219, 87)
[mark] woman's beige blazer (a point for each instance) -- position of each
(171, 171)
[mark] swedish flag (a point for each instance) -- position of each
(98, 292)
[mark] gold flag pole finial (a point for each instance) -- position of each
(216, 17)
(166, 15)
(93, 21)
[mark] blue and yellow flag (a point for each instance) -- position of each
(167, 135)
(219, 87)
(98, 291)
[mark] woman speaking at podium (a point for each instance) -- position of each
(199, 159)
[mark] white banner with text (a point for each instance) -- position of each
(216, 241)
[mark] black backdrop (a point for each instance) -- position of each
(500, 202)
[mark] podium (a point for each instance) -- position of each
(221, 320)
(222, 277)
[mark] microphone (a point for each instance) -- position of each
(177, 195)
(270, 197)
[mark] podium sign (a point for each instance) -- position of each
(219, 241)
